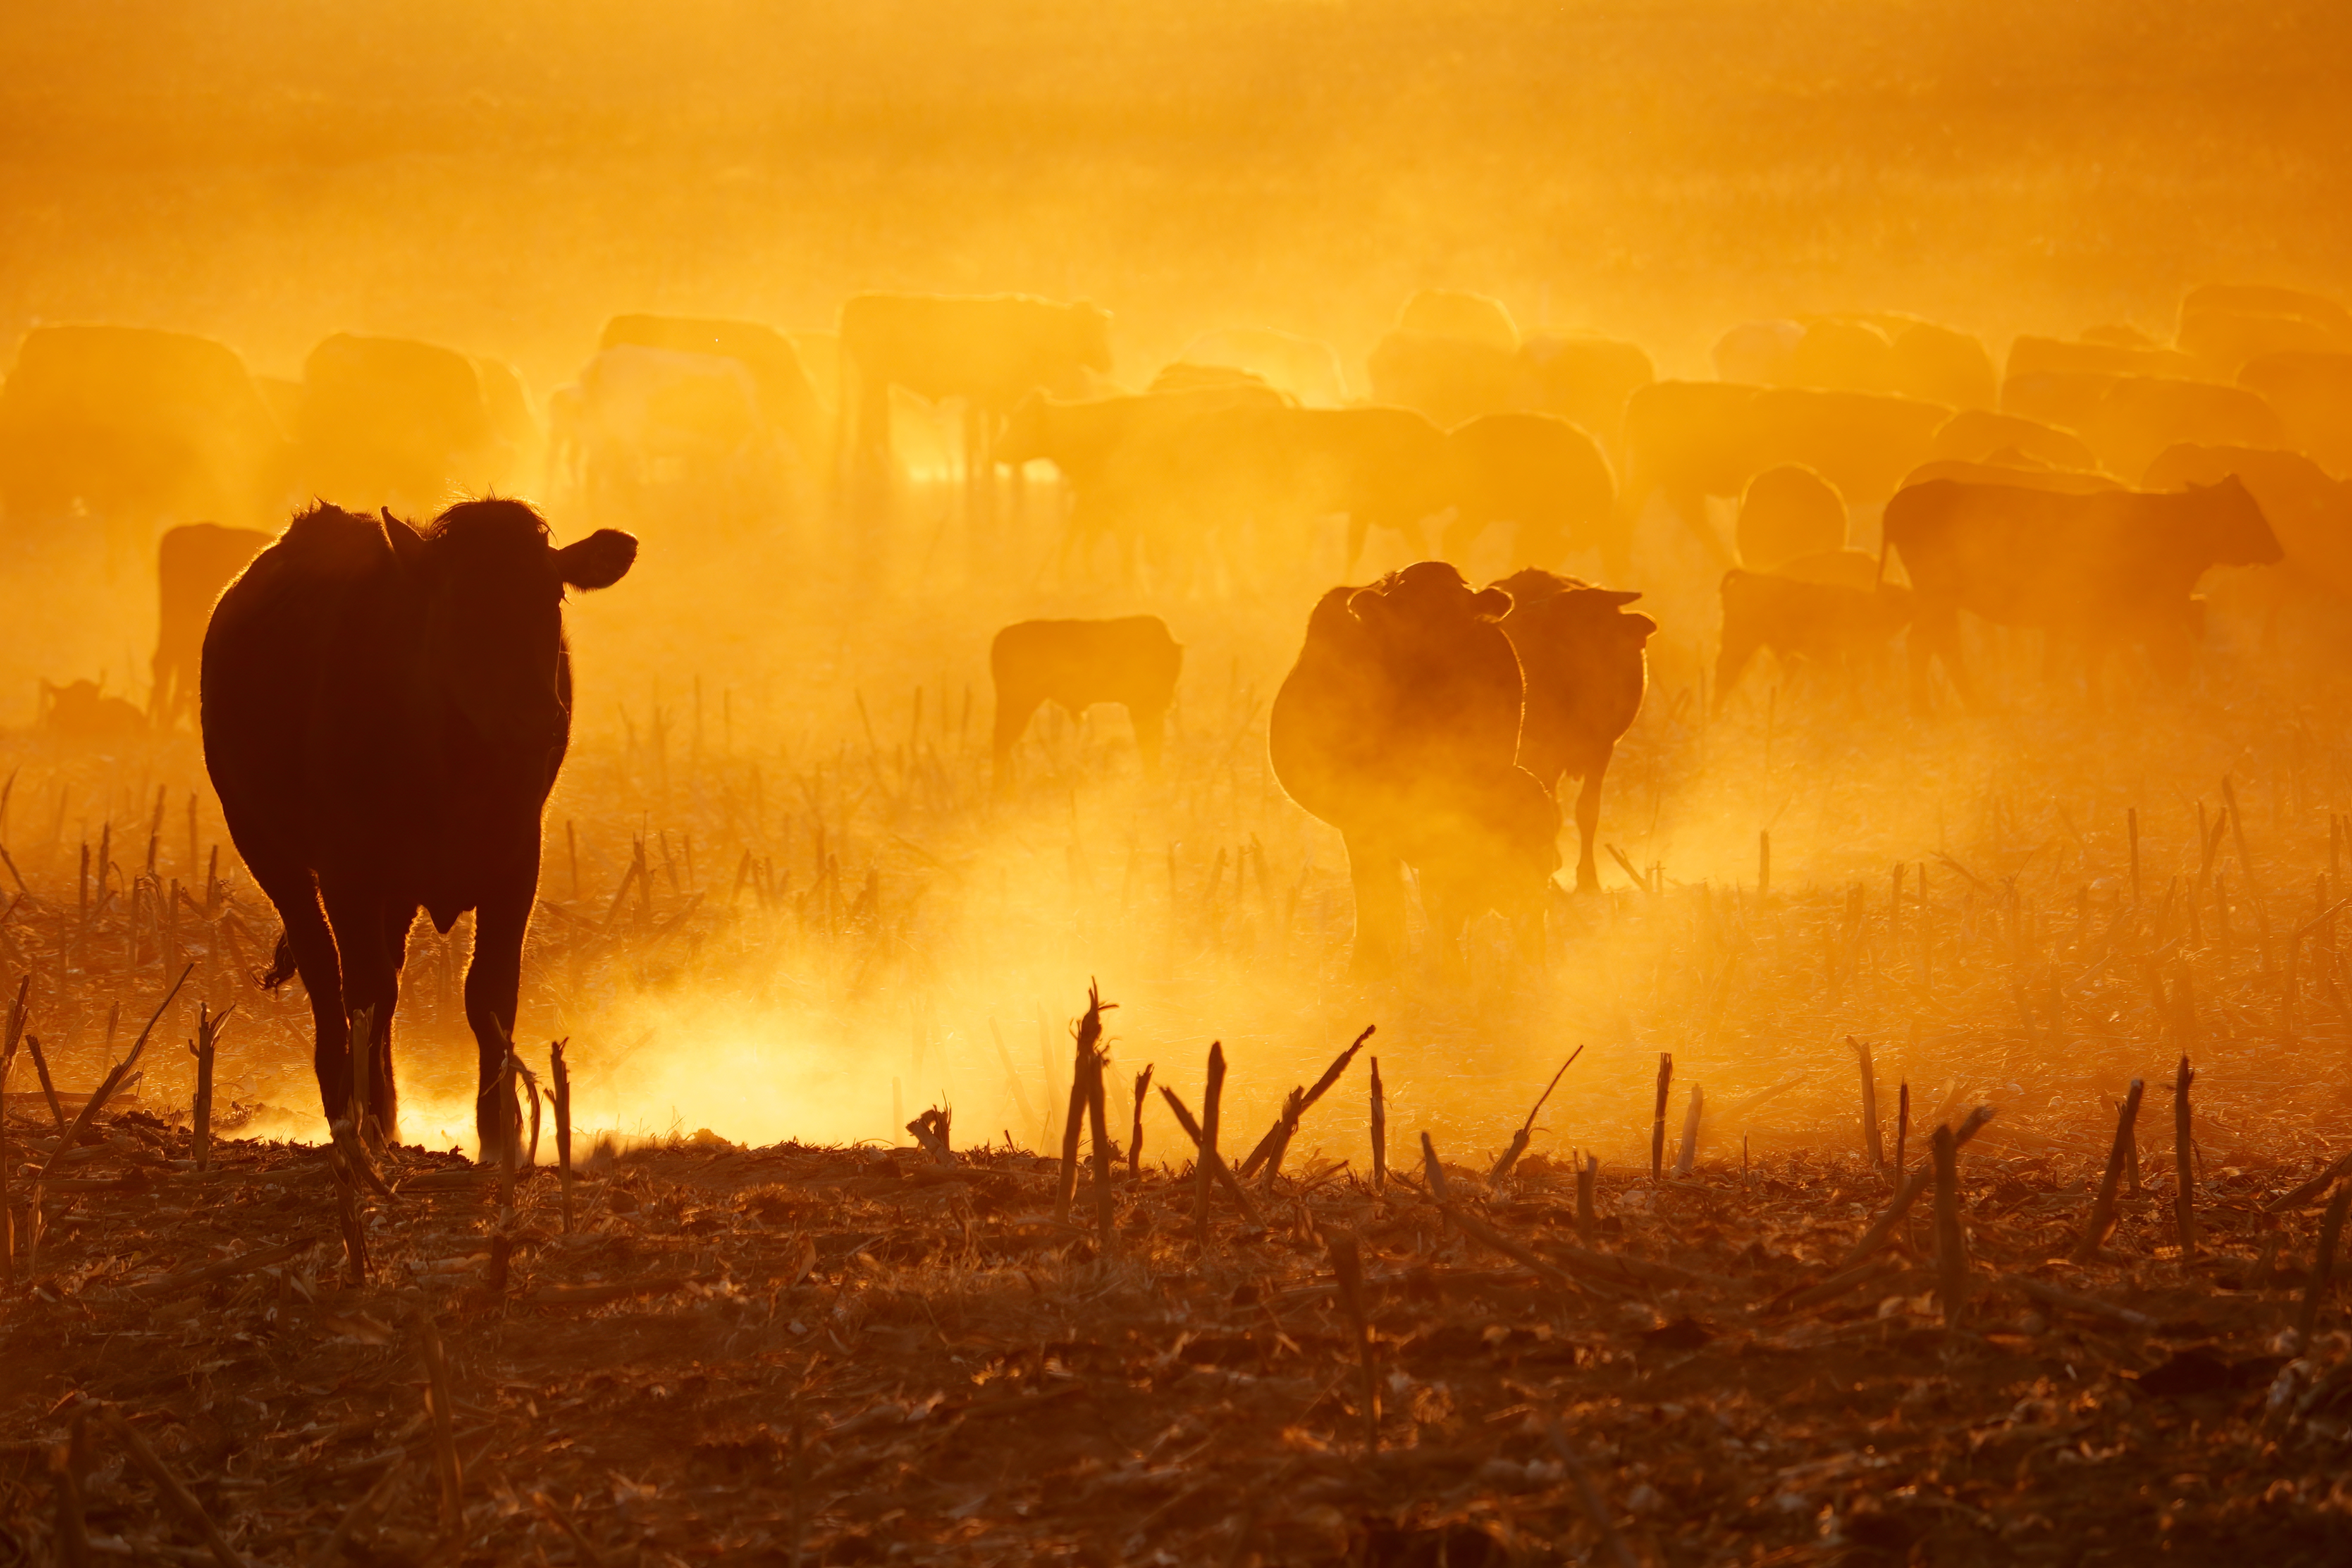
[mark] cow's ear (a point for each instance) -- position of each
(1368, 605)
(599, 561)
(407, 544)
(1490, 604)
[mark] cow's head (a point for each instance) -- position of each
(492, 586)
(2240, 533)
(1427, 594)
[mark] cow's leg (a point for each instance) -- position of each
(359, 913)
(1377, 871)
(384, 1088)
(1150, 723)
(1587, 825)
(1014, 708)
(1935, 634)
(493, 983)
(316, 960)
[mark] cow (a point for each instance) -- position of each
(2224, 341)
(1536, 471)
(1399, 725)
(2307, 509)
(136, 427)
(1786, 512)
(2140, 417)
(384, 711)
(1978, 434)
(193, 562)
(2312, 395)
(1583, 655)
(390, 420)
(1450, 379)
(81, 712)
(1306, 368)
(1841, 626)
(1125, 461)
(1692, 439)
(989, 350)
(1132, 661)
(1380, 467)
(1894, 354)
(788, 398)
(1585, 379)
(649, 432)
(2089, 570)
(2066, 481)
(1459, 313)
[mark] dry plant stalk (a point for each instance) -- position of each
(1658, 1117)
(1135, 1133)
(559, 1072)
(932, 1130)
(2103, 1210)
(1902, 1126)
(1086, 1087)
(2323, 1266)
(1882, 1230)
(348, 1214)
(2184, 1190)
(71, 1135)
(1871, 1145)
(1379, 1132)
(204, 1049)
(1105, 1205)
(183, 1502)
(68, 1462)
(1587, 1175)
(1271, 1148)
(1348, 1269)
(1208, 1162)
(444, 1439)
(48, 1085)
(1526, 1130)
(361, 1023)
(1951, 1248)
(1689, 1150)
(1218, 1170)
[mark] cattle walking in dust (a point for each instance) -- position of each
(1132, 661)
(1836, 627)
(787, 397)
(2090, 571)
(1536, 472)
(1583, 656)
(193, 565)
(1399, 725)
(384, 713)
(990, 351)
(391, 420)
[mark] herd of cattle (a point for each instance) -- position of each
(384, 708)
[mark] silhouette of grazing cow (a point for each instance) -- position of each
(1582, 653)
(1836, 625)
(1131, 661)
(1536, 471)
(384, 713)
(193, 565)
(2090, 570)
(1399, 725)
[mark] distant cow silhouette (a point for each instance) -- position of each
(1976, 435)
(1306, 368)
(1536, 470)
(1382, 468)
(989, 350)
(1894, 354)
(2140, 417)
(1842, 628)
(138, 427)
(80, 710)
(1787, 512)
(194, 563)
(647, 433)
(391, 420)
(2307, 509)
(1583, 655)
(1459, 313)
(385, 712)
(1132, 661)
(2090, 570)
(1399, 725)
(1583, 378)
(788, 397)
(1450, 379)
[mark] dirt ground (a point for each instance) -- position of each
(833, 1355)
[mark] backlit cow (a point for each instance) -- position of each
(1536, 470)
(384, 713)
(1132, 661)
(193, 565)
(1841, 627)
(388, 419)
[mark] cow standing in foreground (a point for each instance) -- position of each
(383, 713)
(193, 565)
(1399, 725)
(1132, 661)
(1584, 659)
(2089, 570)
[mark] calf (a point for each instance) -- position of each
(1584, 659)
(1836, 625)
(193, 565)
(1075, 664)
(384, 713)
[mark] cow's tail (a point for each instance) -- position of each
(281, 965)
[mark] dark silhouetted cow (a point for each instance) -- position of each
(2091, 571)
(385, 712)
(1583, 656)
(1787, 512)
(1399, 725)
(1132, 661)
(193, 565)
